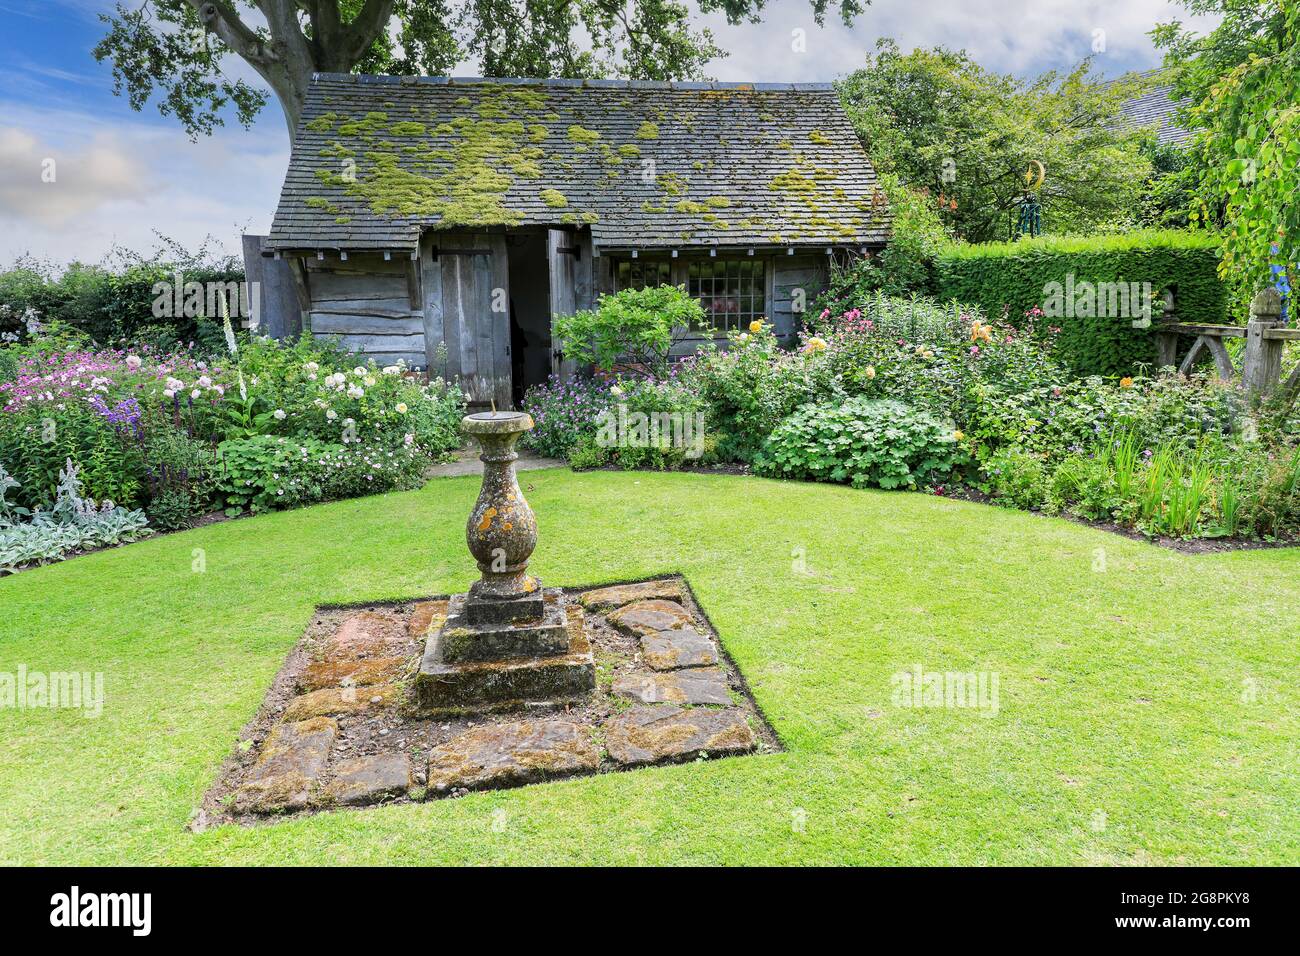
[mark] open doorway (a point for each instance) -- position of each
(530, 312)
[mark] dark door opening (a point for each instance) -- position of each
(530, 312)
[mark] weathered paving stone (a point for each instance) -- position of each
(363, 673)
(646, 617)
(685, 647)
(366, 634)
(342, 700)
(652, 734)
(427, 616)
(702, 686)
(365, 780)
(603, 599)
(505, 755)
(291, 759)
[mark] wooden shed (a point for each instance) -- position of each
(444, 222)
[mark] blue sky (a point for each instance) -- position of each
(122, 174)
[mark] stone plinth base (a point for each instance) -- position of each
(446, 685)
(464, 639)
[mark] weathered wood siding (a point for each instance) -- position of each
(466, 293)
(572, 281)
(793, 283)
(365, 302)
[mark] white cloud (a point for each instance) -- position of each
(52, 186)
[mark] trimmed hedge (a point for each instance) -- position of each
(1049, 271)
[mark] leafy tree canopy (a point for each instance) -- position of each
(968, 136)
(1241, 82)
(179, 50)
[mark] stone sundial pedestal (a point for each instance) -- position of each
(509, 642)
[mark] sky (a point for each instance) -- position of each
(122, 177)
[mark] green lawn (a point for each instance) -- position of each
(1120, 691)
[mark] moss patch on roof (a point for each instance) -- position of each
(647, 130)
(553, 198)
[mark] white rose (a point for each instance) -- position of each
(359, 370)
(401, 408)
(279, 415)
(331, 414)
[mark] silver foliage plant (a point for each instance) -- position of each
(75, 523)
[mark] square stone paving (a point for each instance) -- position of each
(342, 725)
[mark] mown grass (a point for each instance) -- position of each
(1147, 712)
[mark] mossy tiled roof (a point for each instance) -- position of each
(379, 159)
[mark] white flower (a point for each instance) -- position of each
(359, 371)
(392, 370)
(278, 415)
(169, 393)
(196, 394)
(401, 408)
(175, 384)
(368, 381)
(133, 362)
(311, 366)
(355, 391)
(408, 439)
(331, 414)
(204, 382)
(615, 390)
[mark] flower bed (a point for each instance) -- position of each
(269, 425)
(912, 394)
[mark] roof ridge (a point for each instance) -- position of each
(694, 85)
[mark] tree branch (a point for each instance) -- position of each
(364, 28)
(219, 17)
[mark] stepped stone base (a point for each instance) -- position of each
(458, 686)
(464, 639)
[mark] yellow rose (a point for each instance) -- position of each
(1126, 382)
(958, 435)
(756, 326)
(815, 344)
(871, 371)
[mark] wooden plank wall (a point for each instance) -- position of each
(365, 301)
(786, 275)
(474, 278)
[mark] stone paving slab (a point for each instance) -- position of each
(342, 700)
(696, 686)
(685, 647)
(364, 780)
(366, 634)
(649, 616)
(604, 599)
(291, 759)
(427, 616)
(362, 673)
(504, 755)
(646, 735)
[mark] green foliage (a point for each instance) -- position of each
(752, 386)
(634, 326)
(37, 440)
(966, 135)
(266, 472)
(1015, 477)
(115, 303)
(1243, 84)
(862, 442)
(1016, 278)
(906, 265)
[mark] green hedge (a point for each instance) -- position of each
(1017, 276)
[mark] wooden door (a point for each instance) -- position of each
(475, 316)
(568, 255)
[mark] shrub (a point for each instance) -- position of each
(653, 423)
(1018, 277)
(564, 413)
(266, 472)
(864, 443)
(1016, 478)
(752, 386)
(635, 326)
(906, 265)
